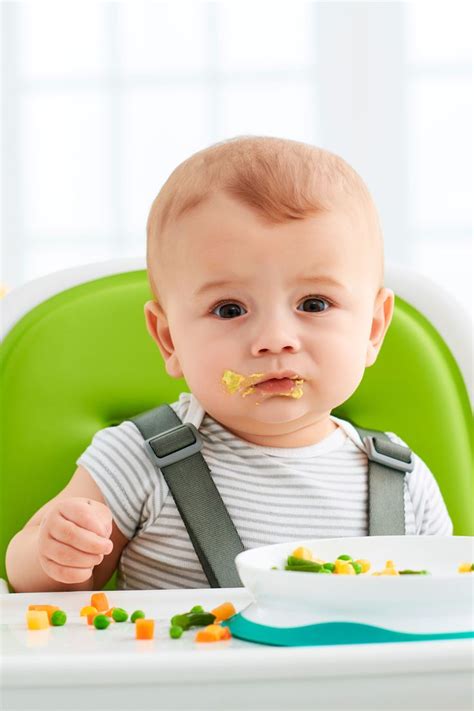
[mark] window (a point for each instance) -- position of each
(103, 99)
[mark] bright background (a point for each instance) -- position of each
(101, 100)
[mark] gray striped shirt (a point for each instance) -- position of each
(272, 495)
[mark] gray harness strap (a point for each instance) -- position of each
(175, 449)
(388, 463)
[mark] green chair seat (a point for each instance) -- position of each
(83, 360)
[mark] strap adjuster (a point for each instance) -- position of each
(375, 456)
(177, 454)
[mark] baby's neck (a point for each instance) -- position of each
(304, 437)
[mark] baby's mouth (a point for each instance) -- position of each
(290, 387)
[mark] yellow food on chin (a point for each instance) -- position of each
(234, 381)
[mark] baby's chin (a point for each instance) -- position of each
(271, 411)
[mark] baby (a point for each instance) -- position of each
(265, 258)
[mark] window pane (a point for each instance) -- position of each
(162, 37)
(274, 108)
(59, 39)
(265, 35)
(439, 32)
(64, 161)
(159, 130)
(44, 258)
(440, 140)
(448, 263)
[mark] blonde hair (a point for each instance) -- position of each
(281, 179)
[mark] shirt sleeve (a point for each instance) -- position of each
(431, 515)
(117, 461)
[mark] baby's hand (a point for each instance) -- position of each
(73, 538)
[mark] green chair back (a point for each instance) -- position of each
(83, 360)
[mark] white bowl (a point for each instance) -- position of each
(442, 601)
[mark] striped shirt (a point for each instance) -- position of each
(273, 495)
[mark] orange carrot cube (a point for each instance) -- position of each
(224, 611)
(100, 602)
(211, 633)
(144, 629)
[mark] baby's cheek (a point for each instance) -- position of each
(343, 370)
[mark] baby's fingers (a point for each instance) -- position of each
(88, 514)
(68, 556)
(70, 534)
(62, 573)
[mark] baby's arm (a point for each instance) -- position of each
(87, 525)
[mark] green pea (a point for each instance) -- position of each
(196, 608)
(357, 567)
(58, 618)
(329, 566)
(101, 622)
(472, 566)
(344, 557)
(119, 614)
(325, 570)
(136, 615)
(176, 631)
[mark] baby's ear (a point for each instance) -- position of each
(382, 316)
(158, 328)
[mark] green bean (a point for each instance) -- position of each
(195, 619)
(413, 572)
(201, 619)
(299, 561)
(311, 568)
(180, 621)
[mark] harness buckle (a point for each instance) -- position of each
(375, 456)
(178, 454)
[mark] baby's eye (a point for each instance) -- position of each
(229, 310)
(315, 304)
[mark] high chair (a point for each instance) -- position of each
(76, 357)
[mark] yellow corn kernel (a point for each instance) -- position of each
(343, 567)
(465, 568)
(37, 619)
(88, 610)
(303, 553)
(390, 564)
(387, 571)
(364, 564)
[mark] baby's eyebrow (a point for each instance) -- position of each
(312, 279)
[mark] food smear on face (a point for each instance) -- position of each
(248, 384)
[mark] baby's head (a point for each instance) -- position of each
(265, 255)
